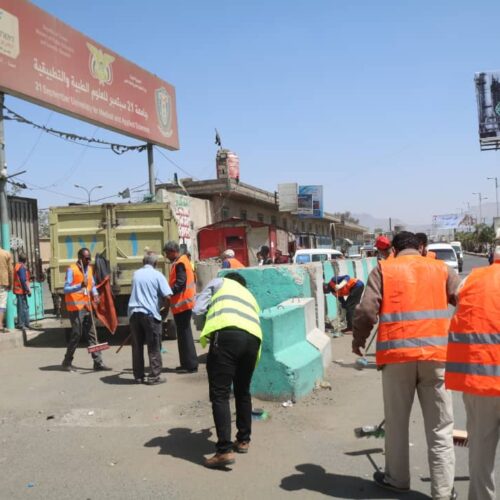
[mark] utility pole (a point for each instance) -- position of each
(496, 189)
(4, 212)
(481, 198)
(151, 171)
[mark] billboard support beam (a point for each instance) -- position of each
(151, 170)
(4, 211)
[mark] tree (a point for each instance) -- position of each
(378, 230)
(346, 217)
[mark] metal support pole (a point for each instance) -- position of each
(151, 170)
(496, 190)
(4, 211)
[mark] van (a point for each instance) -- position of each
(306, 255)
(446, 253)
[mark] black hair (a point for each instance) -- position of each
(22, 258)
(264, 250)
(404, 240)
(81, 251)
(422, 238)
(236, 277)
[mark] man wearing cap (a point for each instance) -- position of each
(473, 367)
(229, 261)
(349, 291)
(383, 245)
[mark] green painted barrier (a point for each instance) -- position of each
(35, 302)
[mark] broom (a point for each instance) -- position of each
(97, 347)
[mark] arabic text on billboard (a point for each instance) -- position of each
(450, 221)
(310, 201)
(45, 61)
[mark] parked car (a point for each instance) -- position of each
(457, 246)
(306, 255)
(446, 253)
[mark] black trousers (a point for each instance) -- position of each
(351, 302)
(145, 329)
(231, 360)
(187, 352)
(81, 324)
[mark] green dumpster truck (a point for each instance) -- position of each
(120, 232)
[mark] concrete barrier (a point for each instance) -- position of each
(314, 335)
(289, 366)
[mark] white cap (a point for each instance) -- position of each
(229, 253)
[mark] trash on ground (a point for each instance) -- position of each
(90, 413)
(30, 485)
(259, 414)
(287, 404)
(50, 417)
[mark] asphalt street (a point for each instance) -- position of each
(89, 435)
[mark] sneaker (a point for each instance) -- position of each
(379, 478)
(101, 367)
(155, 381)
(220, 460)
(241, 446)
(139, 380)
(67, 368)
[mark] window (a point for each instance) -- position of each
(225, 213)
(260, 217)
(274, 221)
(303, 226)
(243, 214)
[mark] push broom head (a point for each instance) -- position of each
(98, 347)
(460, 438)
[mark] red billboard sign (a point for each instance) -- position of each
(47, 62)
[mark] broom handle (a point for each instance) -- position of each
(123, 343)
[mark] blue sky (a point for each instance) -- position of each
(374, 100)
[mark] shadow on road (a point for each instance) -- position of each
(185, 444)
(118, 379)
(58, 368)
(314, 478)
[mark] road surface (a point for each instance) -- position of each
(90, 435)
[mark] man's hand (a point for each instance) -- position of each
(356, 347)
(84, 283)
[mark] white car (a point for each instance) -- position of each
(306, 255)
(446, 253)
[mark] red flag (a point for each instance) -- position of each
(105, 310)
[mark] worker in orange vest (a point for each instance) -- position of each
(409, 297)
(384, 247)
(181, 281)
(422, 247)
(229, 261)
(473, 367)
(79, 290)
(22, 291)
(349, 291)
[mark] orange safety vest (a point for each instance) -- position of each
(184, 300)
(473, 360)
(414, 318)
(78, 300)
(235, 263)
(346, 290)
(18, 288)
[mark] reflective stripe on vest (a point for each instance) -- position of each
(233, 306)
(184, 300)
(473, 357)
(414, 317)
(78, 300)
(18, 288)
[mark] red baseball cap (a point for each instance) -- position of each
(382, 243)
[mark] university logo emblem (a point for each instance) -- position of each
(100, 65)
(164, 111)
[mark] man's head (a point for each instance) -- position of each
(405, 240)
(171, 250)
(228, 254)
(236, 277)
(22, 258)
(84, 256)
(422, 243)
(264, 251)
(383, 245)
(150, 259)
